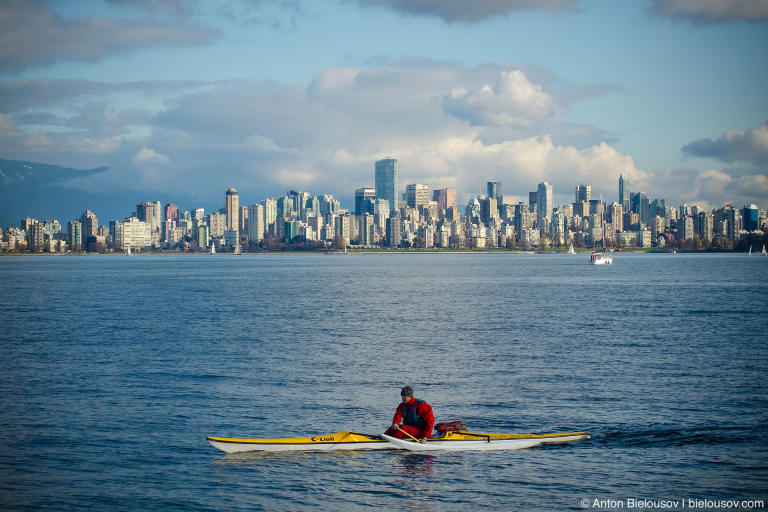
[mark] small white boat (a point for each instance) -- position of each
(763, 252)
(213, 248)
(570, 250)
(128, 251)
(600, 258)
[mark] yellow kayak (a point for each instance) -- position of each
(349, 440)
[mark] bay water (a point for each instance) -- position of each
(113, 370)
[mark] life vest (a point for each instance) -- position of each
(411, 417)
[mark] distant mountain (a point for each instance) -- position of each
(30, 189)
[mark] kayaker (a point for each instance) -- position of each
(416, 416)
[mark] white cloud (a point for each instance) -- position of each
(513, 101)
(146, 155)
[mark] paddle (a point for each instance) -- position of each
(409, 435)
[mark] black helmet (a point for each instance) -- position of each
(406, 391)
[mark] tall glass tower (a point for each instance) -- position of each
(386, 182)
(624, 191)
(544, 204)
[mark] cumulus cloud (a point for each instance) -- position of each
(462, 11)
(513, 101)
(712, 11)
(146, 155)
(323, 137)
(735, 145)
(31, 34)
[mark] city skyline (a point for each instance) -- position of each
(180, 99)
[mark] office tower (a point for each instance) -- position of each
(532, 198)
(363, 198)
(544, 205)
(255, 223)
(704, 225)
(171, 212)
(137, 233)
(386, 182)
(74, 234)
(116, 233)
(233, 210)
(446, 198)
(494, 190)
(145, 212)
(583, 192)
(157, 214)
(202, 236)
(217, 225)
(751, 217)
(624, 191)
(488, 209)
(416, 195)
(243, 225)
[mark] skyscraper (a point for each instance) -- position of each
(624, 191)
(494, 190)
(583, 192)
(544, 205)
(386, 182)
(362, 203)
(233, 210)
(89, 225)
(416, 195)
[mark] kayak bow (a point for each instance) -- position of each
(476, 441)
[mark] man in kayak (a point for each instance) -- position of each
(416, 416)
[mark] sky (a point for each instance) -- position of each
(183, 99)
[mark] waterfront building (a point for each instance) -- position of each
(74, 234)
(366, 229)
(343, 225)
(116, 233)
(137, 234)
(233, 209)
(243, 223)
(386, 172)
(203, 236)
(685, 228)
(364, 199)
(270, 212)
(198, 214)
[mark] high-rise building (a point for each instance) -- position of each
(494, 190)
(171, 212)
(751, 217)
(137, 233)
(446, 199)
(416, 195)
(544, 205)
(583, 192)
(89, 225)
(74, 234)
(393, 231)
(270, 212)
(233, 210)
(386, 182)
(363, 200)
(255, 223)
(624, 192)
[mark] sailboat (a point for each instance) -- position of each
(763, 252)
(128, 251)
(213, 247)
(750, 251)
(570, 249)
(601, 258)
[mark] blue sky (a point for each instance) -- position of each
(183, 99)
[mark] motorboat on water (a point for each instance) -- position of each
(350, 440)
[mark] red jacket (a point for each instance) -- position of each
(423, 411)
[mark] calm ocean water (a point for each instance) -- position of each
(114, 369)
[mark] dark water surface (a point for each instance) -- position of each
(114, 369)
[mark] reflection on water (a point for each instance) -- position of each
(416, 465)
